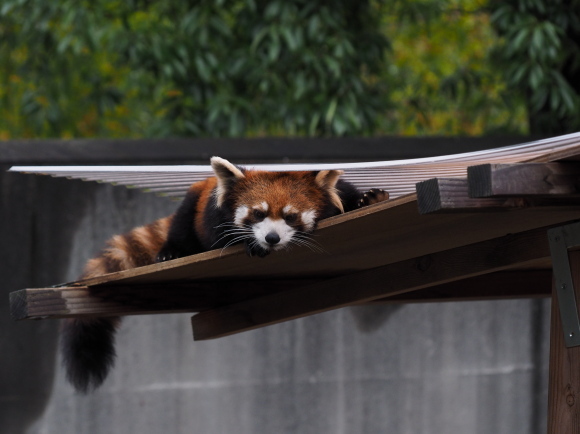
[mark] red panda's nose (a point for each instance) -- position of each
(272, 238)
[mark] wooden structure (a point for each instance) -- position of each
(475, 226)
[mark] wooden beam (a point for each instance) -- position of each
(438, 268)
(367, 238)
(492, 286)
(524, 179)
(564, 373)
(83, 301)
(451, 195)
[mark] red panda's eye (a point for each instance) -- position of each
(259, 215)
(290, 218)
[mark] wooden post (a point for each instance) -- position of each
(564, 375)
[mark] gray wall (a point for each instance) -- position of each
(476, 367)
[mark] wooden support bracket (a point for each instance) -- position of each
(564, 374)
(563, 238)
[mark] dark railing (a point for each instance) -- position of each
(198, 151)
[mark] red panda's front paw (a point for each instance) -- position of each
(374, 195)
(253, 249)
(167, 253)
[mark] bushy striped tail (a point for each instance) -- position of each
(88, 344)
(88, 350)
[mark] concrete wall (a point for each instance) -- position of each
(477, 367)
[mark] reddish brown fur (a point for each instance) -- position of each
(296, 188)
(204, 189)
(140, 246)
(202, 221)
(133, 249)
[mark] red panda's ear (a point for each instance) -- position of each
(226, 174)
(327, 179)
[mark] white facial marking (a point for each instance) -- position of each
(278, 226)
(262, 206)
(240, 215)
(309, 219)
(288, 209)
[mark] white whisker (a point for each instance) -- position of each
(234, 241)
(307, 238)
(310, 244)
(233, 234)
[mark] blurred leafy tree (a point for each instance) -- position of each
(440, 76)
(215, 68)
(57, 79)
(540, 57)
(114, 68)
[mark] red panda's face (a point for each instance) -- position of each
(278, 209)
(275, 228)
(273, 210)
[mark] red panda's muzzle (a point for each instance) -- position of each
(273, 234)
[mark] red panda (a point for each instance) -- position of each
(266, 211)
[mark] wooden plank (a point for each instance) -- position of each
(370, 237)
(451, 195)
(463, 262)
(84, 301)
(524, 179)
(564, 373)
(493, 286)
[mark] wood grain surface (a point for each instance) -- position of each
(564, 388)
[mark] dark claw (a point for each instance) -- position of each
(167, 253)
(374, 195)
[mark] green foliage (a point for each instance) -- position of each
(540, 57)
(136, 68)
(440, 75)
(58, 81)
(202, 68)
(297, 67)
